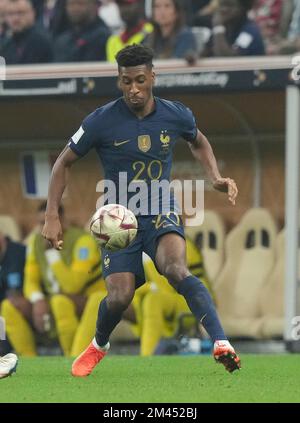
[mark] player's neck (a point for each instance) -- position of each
(146, 110)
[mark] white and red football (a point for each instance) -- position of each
(114, 227)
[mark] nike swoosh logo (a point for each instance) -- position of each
(116, 143)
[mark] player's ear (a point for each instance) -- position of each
(119, 83)
(153, 77)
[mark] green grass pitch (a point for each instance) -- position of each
(263, 378)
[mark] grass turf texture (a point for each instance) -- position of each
(263, 378)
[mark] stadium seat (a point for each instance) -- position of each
(210, 239)
(273, 311)
(9, 227)
(250, 257)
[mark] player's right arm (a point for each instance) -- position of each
(52, 230)
(80, 143)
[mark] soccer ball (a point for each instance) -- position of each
(114, 227)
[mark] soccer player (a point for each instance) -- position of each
(135, 134)
(8, 365)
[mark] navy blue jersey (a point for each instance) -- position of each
(139, 148)
(12, 268)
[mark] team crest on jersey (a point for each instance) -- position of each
(165, 139)
(144, 143)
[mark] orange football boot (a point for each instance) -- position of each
(88, 359)
(224, 353)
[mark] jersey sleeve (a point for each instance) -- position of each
(87, 135)
(188, 127)
(249, 42)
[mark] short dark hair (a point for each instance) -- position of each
(43, 206)
(135, 55)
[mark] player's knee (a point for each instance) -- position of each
(175, 272)
(119, 300)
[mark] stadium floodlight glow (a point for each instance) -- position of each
(2, 69)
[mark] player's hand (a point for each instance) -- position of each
(40, 315)
(52, 232)
(227, 185)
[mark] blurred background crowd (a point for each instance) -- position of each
(45, 31)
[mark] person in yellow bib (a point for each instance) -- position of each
(136, 28)
(61, 286)
(157, 307)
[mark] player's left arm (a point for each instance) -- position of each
(203, 152)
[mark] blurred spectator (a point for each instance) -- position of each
(288, 7)
(86, 39)
(273, 18)
(52, 15)
(198, 12)
(56, 286)
(291, 43)
(170, 37)
(267, 14)
(136, 28)
(294, 30)
(233, 33)
(202, 11)
(25, 43)
(110, 13)
(12, 261)
(3, 26)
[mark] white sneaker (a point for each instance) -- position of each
(8, 365)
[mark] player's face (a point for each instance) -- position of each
(136, 83)
(130, 13)
(19, 16)
(81, 11)
(164, 12)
